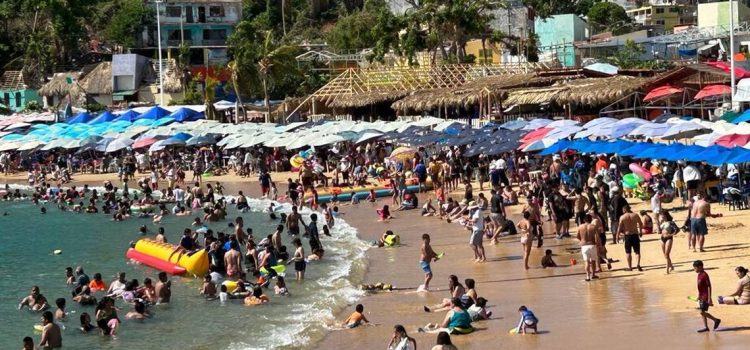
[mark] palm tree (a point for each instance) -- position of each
(273, 63)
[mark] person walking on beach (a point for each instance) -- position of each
(704, 296)
(477, 232)
(616, 203)
(497, 214)
(698, 227)
(524, 228)
(589, 239)
(427, 255)
(629, 230)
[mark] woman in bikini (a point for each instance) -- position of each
(667, 230)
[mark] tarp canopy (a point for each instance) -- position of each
(713, 91)
(154, 113)
(661, 92)
(129, 116)
(185, 114)
(103, 117)
(83, 117)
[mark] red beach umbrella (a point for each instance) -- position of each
(660, 92)
(713, 90)
(732, 140)
(535, 135)
(145, 142)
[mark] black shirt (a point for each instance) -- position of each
(496, 204)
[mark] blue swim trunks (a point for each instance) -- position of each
(425, 266)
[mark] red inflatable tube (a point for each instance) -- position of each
(158, 264)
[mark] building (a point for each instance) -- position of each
(556, 36)
(515, 19)
(15, 93)
(203, 25)
(666, 15)
(716, 14)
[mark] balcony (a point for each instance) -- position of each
(196, 42)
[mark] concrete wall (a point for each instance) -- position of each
(717, 14)
(557, 34)
(11, 98)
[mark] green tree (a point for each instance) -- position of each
(609, 16)
(630, 56)
(549, 8)
(353, 31)
(128, 20)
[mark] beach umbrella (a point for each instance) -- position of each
(562, 123)
(143, 122)
(599, 121)
(538, 145)
(129, 116)
(563, 132)
(403, 153)
(536, 124)
(103, 117)
(154, 113)
(706, 140)
(27, 146)
(713, 91)
(157, 146)
(182, 136)
(83, 117)
(201, 140)
(723, 127)
(535, 135)
(9, 146)
(15, 126)
(622, 127)
(661, 92)
(56, 143)
(732, 140)
(327, 140)
(172, 141)
(368, 136)
(739, 155)
(685, 130)
(144, 142)
(183, 114)
(162, 121)
(118, 144)
(650, 130)
(516, 124)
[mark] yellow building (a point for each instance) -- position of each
(669, 16)
(492, 53)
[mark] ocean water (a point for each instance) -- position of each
(93, 241)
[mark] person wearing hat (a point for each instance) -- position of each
(476, 219)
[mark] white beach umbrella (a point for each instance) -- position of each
(368, 136)
(16, 126)
(30, 145)
(118, 144)
(9, 146)
(327, 140)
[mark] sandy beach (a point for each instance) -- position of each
(622, 310)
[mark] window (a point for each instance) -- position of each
(174, 11)
(674, 10)
(216, 11)
(660, 21)
(659, 10)
(214, 34)
(18, 99)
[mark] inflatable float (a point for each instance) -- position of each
(383, 189)
(159, 256)
(640, 171)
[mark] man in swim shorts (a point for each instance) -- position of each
(292, 222)
(477, 232)
(698, 227)
(427, 255)
(35, 301)
(629, 229)
(589, 239)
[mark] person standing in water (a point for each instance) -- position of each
(292, 222)
(163, 289)
(427, 255)
(51, 333)
(704, 296)
(298, 259)
(589, 239)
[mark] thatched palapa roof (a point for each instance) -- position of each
(363, 100)
(58, 85)
(471, 92)
(589, 91)
(99, 80)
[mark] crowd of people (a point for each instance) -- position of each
(587, 189)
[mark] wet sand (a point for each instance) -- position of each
(622, 310)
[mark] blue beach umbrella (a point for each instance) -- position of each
(162, 121)
(83, 117)
(103, 117)
(129, 116)
(517, 124)
(154, 113)
(183, 114)
(182, 136)
(143, 122)
(559, 146)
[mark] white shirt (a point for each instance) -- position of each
(248, 158)
(691, 173)
(500, 164)
(656, 204)
(179, 194)
(478, 220)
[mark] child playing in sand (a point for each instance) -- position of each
(356, 318)
(384, 214)
(428, 209)
(547, 259)
(528, 320)
(478, 311)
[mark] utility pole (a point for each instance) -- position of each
(731, 51)
(161, 68)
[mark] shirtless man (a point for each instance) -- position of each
(163, 289)
(233, 261)
(276, 238)
(51, 334)
(589, 239)
(629, 230)
(35, 301)
(238, 231)
(581, 205)
(427, 255)
(601, 251)
(700, 210)
(292, 222)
